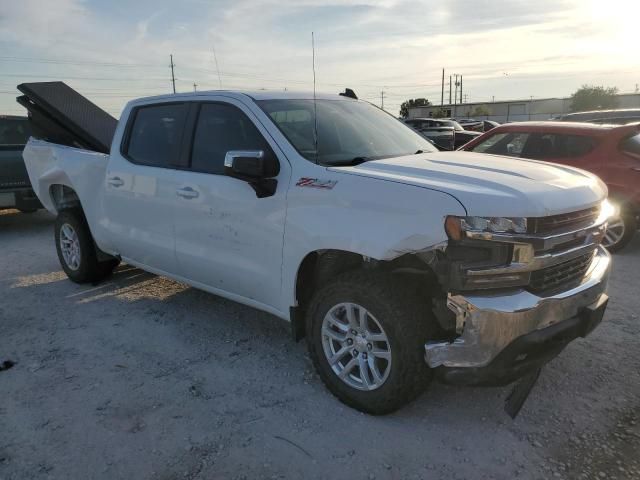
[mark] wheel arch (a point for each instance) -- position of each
(320, 265)
(63, 197)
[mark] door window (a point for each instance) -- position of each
(510, 144)
(156, 134)
(220, 129)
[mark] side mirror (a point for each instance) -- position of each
(255, 167)
(244, 164)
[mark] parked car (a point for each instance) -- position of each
(477, 125)
(443, 137)
(426, 125)
(612, 153)
(488, 125)
(462, 136)
(397, 262)
(470, 124)
(15, 188)
(613, 117)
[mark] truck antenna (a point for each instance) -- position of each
(173, 77)
(215, 59)
(315, 110)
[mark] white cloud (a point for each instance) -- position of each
(547, 47)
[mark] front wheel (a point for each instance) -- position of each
(366, 334)
(77, 251)
(620, 231)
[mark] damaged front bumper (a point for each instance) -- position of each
(505, 335)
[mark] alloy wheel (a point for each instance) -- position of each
(356, 346)
(70, 246)
(615, 232)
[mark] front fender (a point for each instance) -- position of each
(374, 218)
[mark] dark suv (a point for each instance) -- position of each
(15, 187)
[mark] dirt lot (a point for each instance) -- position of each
(141, 377)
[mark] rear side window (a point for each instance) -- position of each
(220, 129)
(156, 133)
(536, 145)
(631, 146)
(14, 131)
(551, 146)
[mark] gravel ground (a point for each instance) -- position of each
(142, 377)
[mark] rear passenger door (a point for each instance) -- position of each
(227, 238)
(143, 184)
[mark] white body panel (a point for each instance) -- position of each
(229, 242)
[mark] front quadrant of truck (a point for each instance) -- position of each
(398, 263)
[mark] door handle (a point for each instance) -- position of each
(187, 192)
(115, 182)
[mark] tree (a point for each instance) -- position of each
(480, 111)
(590, 97)
(414, 102)
(440, 113)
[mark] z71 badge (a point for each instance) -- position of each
(316, 183)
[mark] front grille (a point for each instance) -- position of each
(563, 222)
(561, 274)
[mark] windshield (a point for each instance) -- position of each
(349, 132)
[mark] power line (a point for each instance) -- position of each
(23, 75)
(75, 62)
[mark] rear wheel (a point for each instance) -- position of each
(366, 336)
(76, 250)
(620, 230)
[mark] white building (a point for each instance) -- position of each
(516, 110)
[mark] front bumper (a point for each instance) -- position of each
(491, 324)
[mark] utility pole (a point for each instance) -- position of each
(449, 89)
(173, 77)
(195, 87)
(460, 88)
(382, 100)
(455, 93)
(465, 98)
(442, 94)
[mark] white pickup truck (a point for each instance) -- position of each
(397, 262)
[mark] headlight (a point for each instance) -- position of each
(607, 210)
(454, 226)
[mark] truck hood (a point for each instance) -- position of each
(492, 185)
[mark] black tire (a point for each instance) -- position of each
(404, 317)
(89, 270)
(630, 227)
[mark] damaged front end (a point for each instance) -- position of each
(512, 300)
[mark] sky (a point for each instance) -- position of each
(115, 50)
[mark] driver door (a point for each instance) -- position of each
(227, 238)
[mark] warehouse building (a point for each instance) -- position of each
(515, 110)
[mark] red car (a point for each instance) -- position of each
(611, 152)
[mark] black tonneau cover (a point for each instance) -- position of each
(61, 115)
